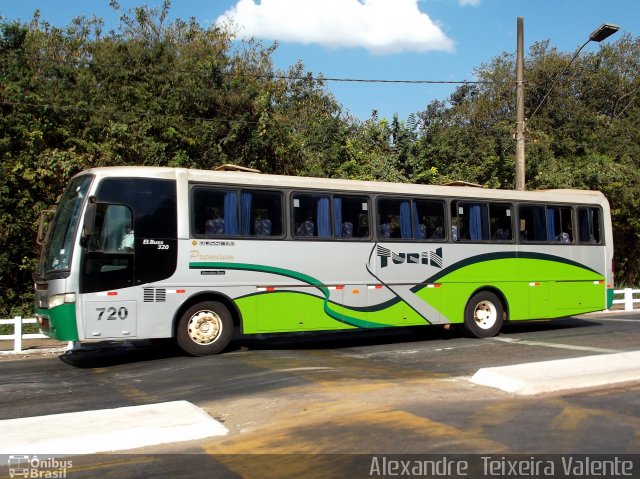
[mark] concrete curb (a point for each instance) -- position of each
(107, 430)
(27, 352)
(562, 374)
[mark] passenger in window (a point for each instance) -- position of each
(502, 234)
(423, 230)
(438, 233)
(347, 229)
(262, 226)
(307, 227)
(363, 225)
(127, 241)
(392, 226)
(215, 225)
(385, 230)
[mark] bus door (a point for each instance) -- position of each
(130, 239)
(108, 267)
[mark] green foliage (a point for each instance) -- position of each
(585, 135)
(151, 93)
(155, 92)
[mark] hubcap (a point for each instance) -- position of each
(485, 314)
(204, 327)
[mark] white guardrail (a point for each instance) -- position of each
(18, 335)
(627, 300)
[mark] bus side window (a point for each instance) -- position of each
(261, 213)
(311, 216)
(533, 226)
(589, 225)
(471, 221)
(390, 220)
(350, 216)
(215, 212)
(428, 216)
(500, 222)
(559, 224)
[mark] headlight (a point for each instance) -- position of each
(60, 299)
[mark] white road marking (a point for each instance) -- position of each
(626, 320)
(572, 347)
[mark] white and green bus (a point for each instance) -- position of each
(144, 252)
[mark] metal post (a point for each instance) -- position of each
(628, 299)
(520, 168)
(17, 334)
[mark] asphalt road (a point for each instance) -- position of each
(334, 400)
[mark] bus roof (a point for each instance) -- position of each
(322, 184)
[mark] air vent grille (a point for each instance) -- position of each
(152, 295)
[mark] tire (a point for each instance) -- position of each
(484, 315)
(204, 329)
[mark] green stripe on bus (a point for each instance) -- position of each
(62, 322)
(534, 285)
(343, 318)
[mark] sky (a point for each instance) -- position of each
(433, 40)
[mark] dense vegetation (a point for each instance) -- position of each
(155, 92)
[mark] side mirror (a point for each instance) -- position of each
(43, 226)
(88, 221)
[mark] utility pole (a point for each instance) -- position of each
(520, 179)
(603, 31)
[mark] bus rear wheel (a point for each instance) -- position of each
(205, 328)
(483, 315)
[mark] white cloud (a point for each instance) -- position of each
(473, 3)
(381, 26)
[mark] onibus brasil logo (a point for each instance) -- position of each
(432, 258)
(34, 467)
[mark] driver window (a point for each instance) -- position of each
(113, 232)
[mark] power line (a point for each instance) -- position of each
(317, 78)
(371, 80)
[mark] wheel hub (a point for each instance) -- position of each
(204, 327)
(485, 314)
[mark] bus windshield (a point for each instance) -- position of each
(56, 255)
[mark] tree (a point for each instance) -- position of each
(151, 92)
(586, 134)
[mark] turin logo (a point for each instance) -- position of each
(432, 258)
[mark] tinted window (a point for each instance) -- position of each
(225, 212)
(410, 219)
(469, 221)
(560, 224)
(261, 213)
(311, 216)
(109, 259)
(500, 224)
(153, 203)
(215, 212)
(430, 219)
(330, 216)
(350, 216)
(532, 223)
(589, 225)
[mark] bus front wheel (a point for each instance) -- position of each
(483, 315)
(205, 328)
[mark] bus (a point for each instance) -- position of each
(204, 256)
